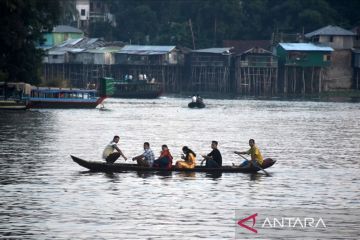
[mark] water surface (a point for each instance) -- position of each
(44, 195)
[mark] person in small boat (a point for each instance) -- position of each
(147, 158)
(109, 153)
(214, 158)
(193, 98)
(254, 152)
(165, 158)
(189, 159)
(199, 99)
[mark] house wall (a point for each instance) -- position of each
(303, 58)
(338, 42)
(339, 74)
(61, 37)
(49, 39)
(135, 59)
(83, 5)
(82, 58)
(56, 58)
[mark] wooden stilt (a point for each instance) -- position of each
(303, 81)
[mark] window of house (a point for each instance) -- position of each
(331, 39)
(82, 12)
(327, 57)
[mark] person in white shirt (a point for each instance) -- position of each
(193, 99)
(109, 153)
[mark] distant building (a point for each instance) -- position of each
(256, 72)
(241, 46)
(163, 64)
(303, 55)
(302, 66)
(91, 11)
(210, 70)
(69, 51)
(61, 33)
(339, 74)
(149, 55)
(336, 37)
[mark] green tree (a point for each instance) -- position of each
(167, 22)
(21, 25)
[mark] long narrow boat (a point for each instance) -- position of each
(123, 167)
(44, 97)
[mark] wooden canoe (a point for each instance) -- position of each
(97, 166)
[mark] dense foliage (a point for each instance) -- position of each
(211, 21)
(190, 23)
(20, 31)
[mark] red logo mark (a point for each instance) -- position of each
(241, 223)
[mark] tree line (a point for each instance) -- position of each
(189, 23)
(206, 23)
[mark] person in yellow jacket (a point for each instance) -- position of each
(189, 159)
(254, 152)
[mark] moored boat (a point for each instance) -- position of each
(97, 166)
(136, 89)
(43, 97)
(46, 97)
(14, 96)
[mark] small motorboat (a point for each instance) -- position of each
(196, 105)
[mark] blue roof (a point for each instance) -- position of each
(305, 47)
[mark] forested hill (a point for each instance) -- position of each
(211, 21)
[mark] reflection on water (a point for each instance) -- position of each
(45, 195)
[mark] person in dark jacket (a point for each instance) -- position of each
(214, 158)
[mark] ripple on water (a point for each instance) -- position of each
(45, 195)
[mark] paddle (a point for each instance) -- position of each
(256, 165)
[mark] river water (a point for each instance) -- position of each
(44, 195)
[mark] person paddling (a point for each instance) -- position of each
(256, 157)
(109, 153)
(213, 159)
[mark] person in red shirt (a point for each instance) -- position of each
(165, 158)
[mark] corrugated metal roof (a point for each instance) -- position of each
(305, 47)
(330, 31)
(104, 50)
(241, 46)
(214, 50)
(66, 29)
(85, 43)
(146, 49)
